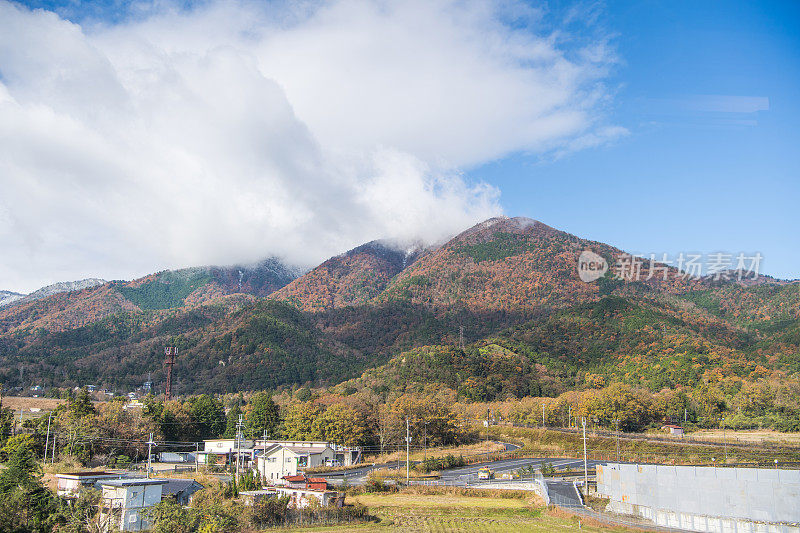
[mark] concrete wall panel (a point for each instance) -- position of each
(723, 499)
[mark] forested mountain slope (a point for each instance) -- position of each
(508, 289)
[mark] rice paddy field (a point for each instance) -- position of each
(453, 512)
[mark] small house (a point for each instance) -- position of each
(125, 502)
(181, 490)
(70, 484)
(278, 460)
(673, 430)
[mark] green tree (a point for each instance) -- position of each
(26, 505)
(208, 416)
(263, 415)
(6, 421)
(232, 420)
(81, 405)
(169, 517)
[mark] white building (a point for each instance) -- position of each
(279, 460)
(125, 501)
(70, 484)
(343, 455)
(300, 498)
(223, 451)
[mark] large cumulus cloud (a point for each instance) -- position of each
(233, 131)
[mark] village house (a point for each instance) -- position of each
(277, 461)
(181, 490)
(125, 501)
(70, 484)
(343, 455)
(223, 451)
(301, 497)
(673, 430)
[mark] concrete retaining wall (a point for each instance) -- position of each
(705, 498)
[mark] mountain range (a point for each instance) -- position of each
(499, 307)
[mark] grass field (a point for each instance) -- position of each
(454, 512)
(40, 405)
(542, 442)
(755, 436)
(467, 450)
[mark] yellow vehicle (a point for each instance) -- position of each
(485, 473)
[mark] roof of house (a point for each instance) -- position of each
(185, 487)
(87, 475)
(132, 482)
(299, 450)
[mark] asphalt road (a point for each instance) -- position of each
(466, 474)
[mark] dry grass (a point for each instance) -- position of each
(755, 436)
(444, 512)
(466, 450)
(44, 404)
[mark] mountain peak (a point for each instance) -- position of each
(487, 229)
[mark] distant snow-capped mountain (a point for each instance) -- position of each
(9, 298)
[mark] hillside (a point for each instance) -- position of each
(76, 304)
(508, 287)
(352, 278)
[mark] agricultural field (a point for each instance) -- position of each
(755, 436)
(545, 443)
(39, 405)
(447, 512)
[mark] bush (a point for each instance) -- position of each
(270, 511)
(378, 485)
(442, 463)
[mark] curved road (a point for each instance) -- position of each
(465, 474)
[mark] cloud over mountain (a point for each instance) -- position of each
(231, 131)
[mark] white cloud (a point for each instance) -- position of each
(235, 130)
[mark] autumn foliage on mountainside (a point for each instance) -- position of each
(508, 289)
(352, 278)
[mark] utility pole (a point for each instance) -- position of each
(425, 442)
(488, 417)
(408, 449)
(47, 439)
(53, 459)
(570, 416)
(150, 445)
(196, 456)
(617, 421)
(724, 442)
(543, 423)
(585, 459)
(238, 446)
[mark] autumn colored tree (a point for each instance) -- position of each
(299, 422)
(342, 424)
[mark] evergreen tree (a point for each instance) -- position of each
(233, 419)
(263, 415)
(208, 417)
(26, 505)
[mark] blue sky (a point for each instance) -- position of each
(684, 179)
(303, 129)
